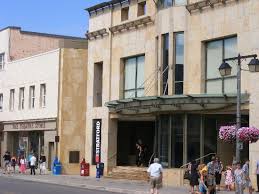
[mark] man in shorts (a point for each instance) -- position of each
(155, 171)
(211, 180)
(7, 161)
(248, 183)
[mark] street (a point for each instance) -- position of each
(15, 186)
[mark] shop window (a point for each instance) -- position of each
(98, 84)
(179, 63)
(165, 62)
(216, 51)
(124, 14)
(21, 98)
(32, 97)
(43, 95)
(134, 77)
(1, 102)
(164, 139)
(142, 8)
(11, 101)
(74, 156)
(2, 61)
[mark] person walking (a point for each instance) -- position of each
(155, 171)
(218, 172)
(229, 178)
(7, 161)
(42, 164)
(13, 163)
(194, 176)
(33, 164)
(139, 153)
(211, 181)
(22, 165)
(239, 179)
(257, 175)
(248, 183)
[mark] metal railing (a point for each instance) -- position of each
(198, 159)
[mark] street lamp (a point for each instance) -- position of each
(225, 70)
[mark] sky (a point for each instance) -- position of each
(64, 17)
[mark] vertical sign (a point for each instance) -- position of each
(97, 126)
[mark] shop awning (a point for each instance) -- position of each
(153, 104)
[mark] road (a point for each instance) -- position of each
(15, 186)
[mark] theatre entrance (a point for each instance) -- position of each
(129, 132)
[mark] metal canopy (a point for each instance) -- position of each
(153, 104)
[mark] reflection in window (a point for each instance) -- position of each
(216, 51)
(193, 137)
(165, 62)
(134, 77)
(164, 145)
(179, 62)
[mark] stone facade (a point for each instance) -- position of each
(235, 18)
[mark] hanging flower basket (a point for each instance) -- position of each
(248, 134)
(227, 133)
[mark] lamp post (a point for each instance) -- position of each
(225, 70)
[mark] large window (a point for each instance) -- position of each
(1, 102)
(165, 62)
(43, 95)
(134, 77)
(142, 8)
(32, 97)
(21, 98)
(216, 51)
(98, 84)
(11, 100)
(179, 63)
(2, 61)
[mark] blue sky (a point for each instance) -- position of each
(65, 17)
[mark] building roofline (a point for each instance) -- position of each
(104, 5)
(42, 34)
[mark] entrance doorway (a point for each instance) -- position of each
(129, 132)
(51, 154)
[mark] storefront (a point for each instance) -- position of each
(32, 136)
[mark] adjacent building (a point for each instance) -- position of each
(39, 77)
(153, 75)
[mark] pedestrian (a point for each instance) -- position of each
(22, 165)
(139, 153)
(155, 171)
(248, 183)
(7, 161)
(239, 179)
(229, 178)
(211, 180)
(218, 172)
(194, 177)
(42, 164)
(33, 164)
(257, 174)
(13, 163)
(203, 189)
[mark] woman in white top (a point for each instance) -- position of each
(22, 165)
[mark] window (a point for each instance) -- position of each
(1, 102)
(21, 98)
(43, 95)
(216, 51)
(164, 3)
(179, 63)
(142, 8)
(134, 77)
(165, 62)
(124, 14)
(74, 156)
(180, 2)
(2, 61)
(11, 101)
(98, 84)
(32, 97)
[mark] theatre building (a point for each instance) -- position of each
(39, 76)
(153, 75)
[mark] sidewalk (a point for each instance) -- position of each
(103, 184)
